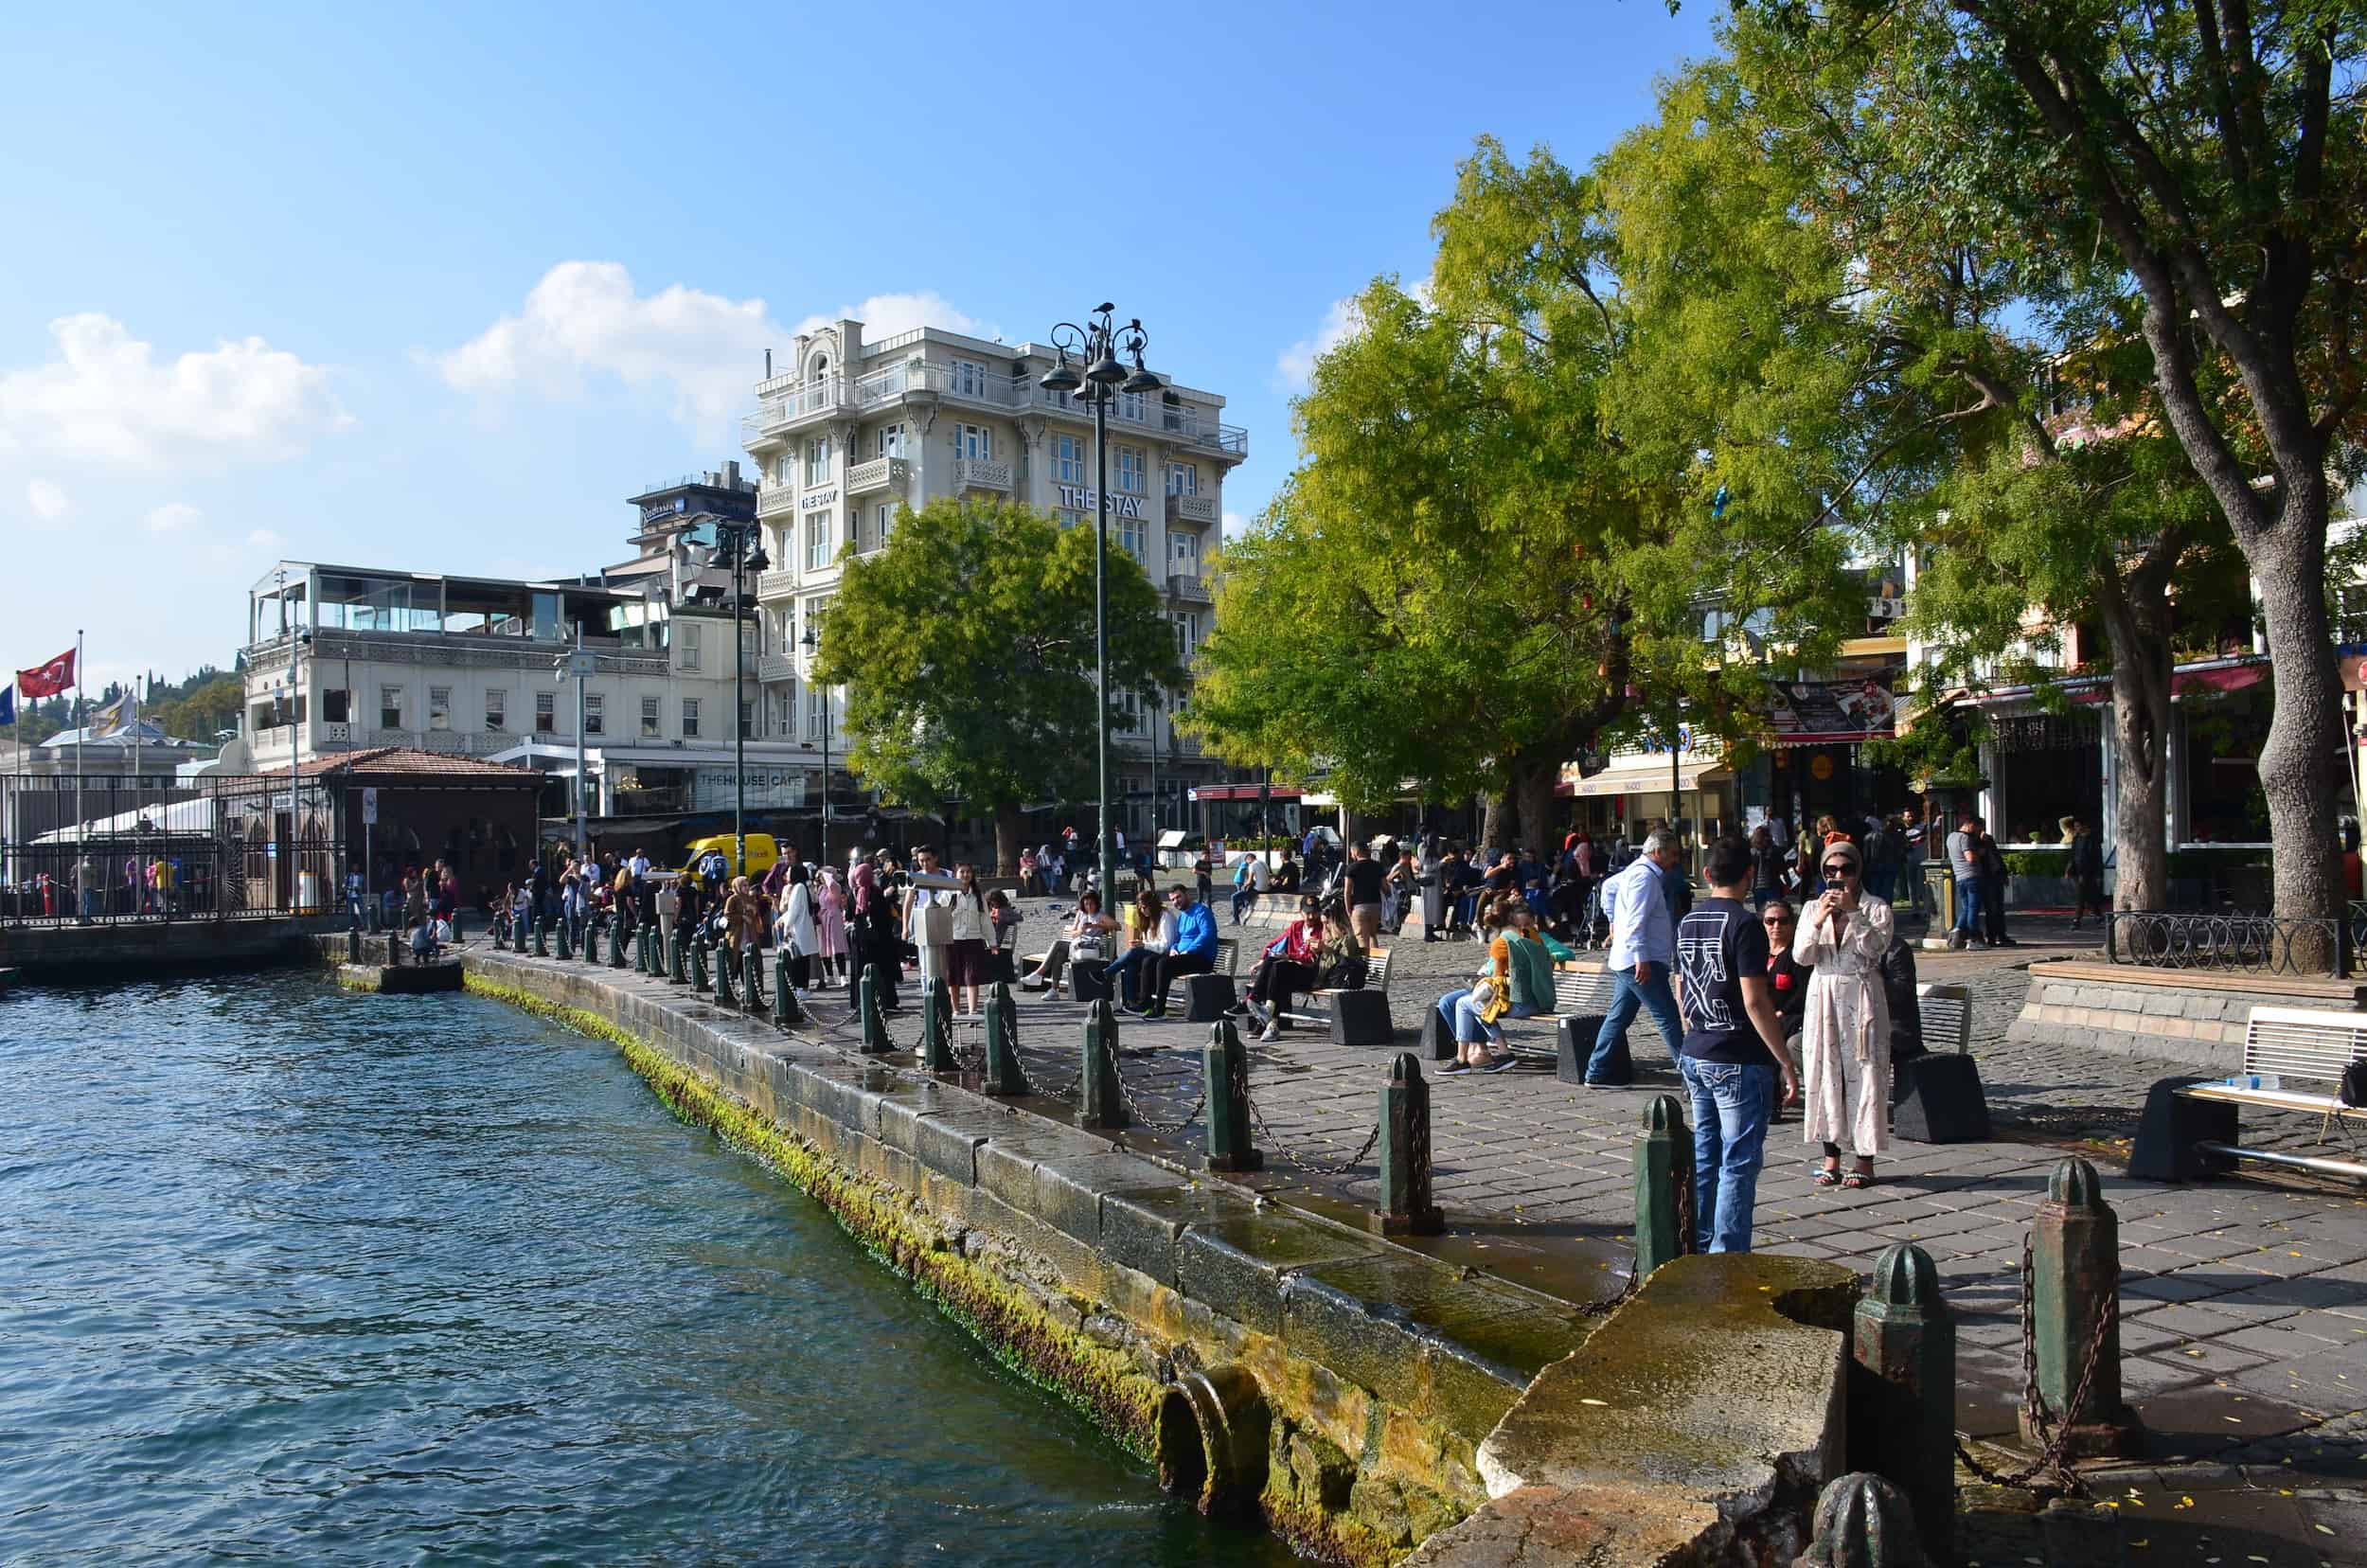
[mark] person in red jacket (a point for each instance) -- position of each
(1290, 964)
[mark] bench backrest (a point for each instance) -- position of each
(1376, 970)
(1229, 954)
(2303, 1043)
(1946, 1010)
(1578, 990)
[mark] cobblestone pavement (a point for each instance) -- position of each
(2245, 1302)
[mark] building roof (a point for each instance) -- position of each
(411, 762)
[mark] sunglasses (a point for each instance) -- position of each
(1777, 920)
(1840, 868)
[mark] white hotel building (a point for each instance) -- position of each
(853, 431)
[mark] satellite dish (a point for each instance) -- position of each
(237, 756)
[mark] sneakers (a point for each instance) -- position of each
(1257, 1015)
(1956, 940)
(1268, 1034)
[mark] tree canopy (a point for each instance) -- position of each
(965, 646)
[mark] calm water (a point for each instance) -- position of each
(289, 1275)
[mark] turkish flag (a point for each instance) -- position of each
(49, 679)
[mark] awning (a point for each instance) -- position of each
(2192, 681)
(1240, 792)
(1647, 779)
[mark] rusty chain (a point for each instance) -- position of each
(2054, 1439)
(1313, 1167)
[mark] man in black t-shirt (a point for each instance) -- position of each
(1363, 896)
(1734, 1050)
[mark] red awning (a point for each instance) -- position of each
(1242, 791)
(2185, 683)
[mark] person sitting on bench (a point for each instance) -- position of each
(1288, 965)
(1193, 952)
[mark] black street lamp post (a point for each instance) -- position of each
(813, 645)
(741, 547)
(1098, 343)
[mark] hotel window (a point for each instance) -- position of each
(813, 713)
(891, 440)
(545, 713)
(1068, 519)
(887, 525)
(970, 378)
(1187, 632)
(691, 638)
(817, 540)
(1131, 470)
(595, 715)
(497, 711)
(817, 459)
(1187, 549)
(1130, 406)
(690, 718)
(334, 707)
(390, 707)
(649, 719)
(785, 712)
(1068, 459)
(1182, 478)
(975, 442)
(440, 707)
(1133, 537)
(747, 720)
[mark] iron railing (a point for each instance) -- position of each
(2232, 942)
(122, 847)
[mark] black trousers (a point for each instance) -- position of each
(1278, 979)
(1166, 967)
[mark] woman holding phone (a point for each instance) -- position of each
(1845, 1028)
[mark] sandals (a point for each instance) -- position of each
(1829, 1176)
(1857, 1181)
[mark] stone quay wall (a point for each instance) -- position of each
(2192, 1016)
(69, 951)
(1271, 1361)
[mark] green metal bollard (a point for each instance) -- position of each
(2074, 1290)
(1663, 1177)
(1406, 1208)
(936, 1025)
(641, 949)
(678, 956)
(566, 937)
(591, 941)
(1902, 1391)
(1098, 1102)
(617, 943)
(543, 937)
(874, 1030)
(786, 1012)
(1004, 1075)
(699, 978)
(1225, 1067)
(1863, 1521)
(752, 981)
(726, 964)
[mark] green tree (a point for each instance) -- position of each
(2199, 164)
(966, 649)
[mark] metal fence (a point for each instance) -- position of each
(124, 848)
(2233, 943)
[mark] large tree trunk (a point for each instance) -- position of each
(1533, 781)
(2297, 764)
(1496, 822)
(1008, 824)
(2136, 615)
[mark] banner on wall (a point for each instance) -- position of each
(1820, 713)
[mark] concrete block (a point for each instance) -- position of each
(1141, 1228)
(1239, 1266)
(901, 1109)
(1006, 1166)
(2163, 1003)
(1540, 1524)
(2126, 1022)
(1068, 1191)
(948, 1142)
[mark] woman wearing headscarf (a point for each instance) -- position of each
(1845, 1028)
(830, 925)
(796, 929)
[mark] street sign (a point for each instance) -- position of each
(1191, 794)
(369, 808)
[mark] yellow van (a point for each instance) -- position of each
(763, 854)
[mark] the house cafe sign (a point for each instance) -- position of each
(1081, 498)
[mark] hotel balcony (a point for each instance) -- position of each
(1190, 588)
(776, 584)
(1191, 511)
(776, 501)
(977, 474)
(877, 475)
(775, 666)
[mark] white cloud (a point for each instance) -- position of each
(263, 539)
(105, 397)
(1234, 523)
(172, 517)
(585, 321)
(48, 500)
(884, 315)
(1296, 368)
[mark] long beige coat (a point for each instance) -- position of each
(1846, 1033)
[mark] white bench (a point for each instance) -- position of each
(1376, 979)
(1577, 994)
(2294, 1045)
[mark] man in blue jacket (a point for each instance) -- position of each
(1194, 953)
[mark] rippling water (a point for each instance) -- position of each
(291, 1275)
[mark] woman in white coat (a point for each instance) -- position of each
(795, 929)
(1845, 1032)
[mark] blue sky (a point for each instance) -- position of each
(422, 288)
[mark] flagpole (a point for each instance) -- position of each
(82, 832)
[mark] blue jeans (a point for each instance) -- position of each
(1732, 1106)
(1120, 973)
(1968, 907)
(1627, 996)
(1464, 1022)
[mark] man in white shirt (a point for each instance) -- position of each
(1642, 946)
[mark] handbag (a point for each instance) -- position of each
(1497, 1002)
(2353, 1089)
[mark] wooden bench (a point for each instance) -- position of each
(2289, 1046)
(1946, 1008)
(1579, 994)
